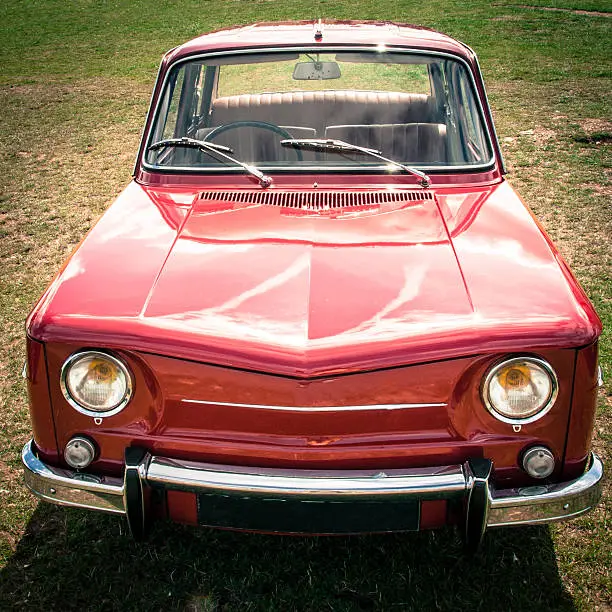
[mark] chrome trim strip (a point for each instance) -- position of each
(306, 484)
(317, 408)
(547, 503)
(65, 488)
(494, 138)
(363, 168)
(149, 110)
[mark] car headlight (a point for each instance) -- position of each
(96, 383)
(520, 390)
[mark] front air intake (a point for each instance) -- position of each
(318, 200)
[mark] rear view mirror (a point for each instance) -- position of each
(316, 71)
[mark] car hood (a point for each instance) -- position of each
(308, 290)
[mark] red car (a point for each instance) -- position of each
(318, 307)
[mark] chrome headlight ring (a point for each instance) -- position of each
(82, 406)
(546, 404)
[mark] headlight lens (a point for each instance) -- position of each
(520, 390)
(96, 383)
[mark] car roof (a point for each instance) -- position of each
(334, 33)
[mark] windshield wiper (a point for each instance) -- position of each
(215, 149)
(339, 146)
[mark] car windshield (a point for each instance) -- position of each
(416, 109)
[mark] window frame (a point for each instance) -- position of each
(372, 168)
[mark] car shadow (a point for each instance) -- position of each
(73, 559)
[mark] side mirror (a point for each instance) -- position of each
(316, 71)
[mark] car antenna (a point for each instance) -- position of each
(318, 30)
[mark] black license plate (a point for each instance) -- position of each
(297, 516)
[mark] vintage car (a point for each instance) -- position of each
(319, 307)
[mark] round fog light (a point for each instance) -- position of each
(79, 452)
(539, 462)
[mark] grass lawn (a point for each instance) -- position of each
(74, 88)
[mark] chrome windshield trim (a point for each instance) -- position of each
(495, 138)
(356, 169)
(145, 141)
(150, 109)
(317, 408)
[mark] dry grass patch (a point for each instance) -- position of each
(560, 164)
(584, 546)
(66, 164)
(66, 150)
(558, 9)
(598, 125)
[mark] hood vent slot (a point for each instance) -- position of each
(319, 199)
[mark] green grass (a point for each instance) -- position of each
(74, 88)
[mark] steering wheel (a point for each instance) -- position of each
(235, 125)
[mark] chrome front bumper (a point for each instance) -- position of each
(485, 506)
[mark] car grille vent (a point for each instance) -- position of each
(318, 200)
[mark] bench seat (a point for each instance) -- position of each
(409, 142)
(401, 125)
(318, 109)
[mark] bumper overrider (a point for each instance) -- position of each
(314, 501)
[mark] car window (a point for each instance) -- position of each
(416, 109)
(172, 114)
(278, 77)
